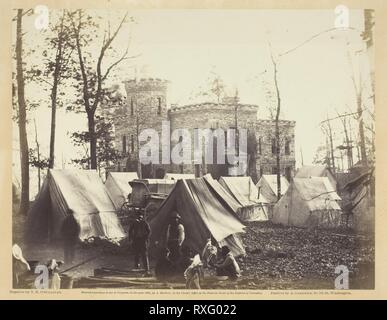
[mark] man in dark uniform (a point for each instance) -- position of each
(175, 237)
(139, 233)
(70, 233)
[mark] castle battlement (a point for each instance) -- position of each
(218, 106)
(264, 122)
(146, 84)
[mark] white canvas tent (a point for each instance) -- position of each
(179, 176)
(267, 187)
(317, 171)
(244, 191)
(84, 193)
(309, 202)
(118, 188)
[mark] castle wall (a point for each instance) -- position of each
(266, 159)
(147, 108)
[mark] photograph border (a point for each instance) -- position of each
(6, 292)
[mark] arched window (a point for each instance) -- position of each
(273, 146)
(287, 146)
(124, 144)
(132, 143)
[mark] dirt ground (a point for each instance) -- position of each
(277, 258)
(293, 258)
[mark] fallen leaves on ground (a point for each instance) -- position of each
(277, 254)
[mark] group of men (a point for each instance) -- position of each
(139, 234)
(175, 259)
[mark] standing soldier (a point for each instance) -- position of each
(139, 233)
(175, 237)
(70, 232)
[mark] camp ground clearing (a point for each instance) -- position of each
(273, 250)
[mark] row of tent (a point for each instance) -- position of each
(209, 208)
(255, 202)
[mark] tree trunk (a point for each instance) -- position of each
(363, 150)
(278, 155)
(23, 140)
(330, 135)
(277, 132)
(348, 143)
(139, 168)
(93, 141)
(54, 92)
(38, 154)
(53, 127)
(328, 156)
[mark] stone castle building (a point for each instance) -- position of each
(147, 107)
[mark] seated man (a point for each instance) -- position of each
(228, 266)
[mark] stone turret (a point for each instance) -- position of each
(147, 97)
(146, 108)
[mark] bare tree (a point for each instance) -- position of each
(358, 88)
(62, 44)
(276, 121)
(91, 77)
(22, 117)
(328, 131)
(38, 153)
(348, 143)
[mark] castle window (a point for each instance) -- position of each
(288, 173)
(260, 145)
(158, 105)
(225, 139)
(287, 146)
(197, 170)
(131, 107)
(132, 143)
(124, 144)
(273, 146)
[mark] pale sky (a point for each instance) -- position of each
(183, 46)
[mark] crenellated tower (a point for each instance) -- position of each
(146, 107)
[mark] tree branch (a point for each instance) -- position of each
(77, 30)
(99, 63)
